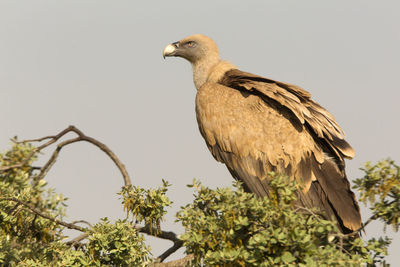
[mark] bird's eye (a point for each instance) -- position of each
(190, 44)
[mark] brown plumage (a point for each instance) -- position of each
(256, 125)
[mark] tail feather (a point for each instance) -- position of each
(336, 187)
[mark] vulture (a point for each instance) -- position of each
(255, 125)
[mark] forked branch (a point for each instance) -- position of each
(81, 137)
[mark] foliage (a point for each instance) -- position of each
(380, 187)
(146, 205)
(234, 228)
(27, 239)
(23, 233)
(109, 244)
(223, 227)
(117, 244)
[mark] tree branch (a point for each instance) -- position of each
(178, 243)
(176, 263)
(43, 215)
(77, 239)
(362, 228)
(83, 221)
(153, 232)
(54, 138)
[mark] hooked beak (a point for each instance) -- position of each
(170, 50)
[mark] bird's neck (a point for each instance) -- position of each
(202, 68)
(209, 70)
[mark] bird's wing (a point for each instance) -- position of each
(299, 102)
(255, 126)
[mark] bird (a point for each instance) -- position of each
(256, 125)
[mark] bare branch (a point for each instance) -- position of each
(45, 169)
(373, 217)
(77, 239)
(6, 168)
(43, 215)
(176, 263)
(153, 232)
(53, 158)
(106, 150)
(83, 221)
(177, 245)
(53, 138)
(35, 140)
(315, 214)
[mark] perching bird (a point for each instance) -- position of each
(257, 125)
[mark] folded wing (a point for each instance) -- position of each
(255, 125)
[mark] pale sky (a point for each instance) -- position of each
(97, 65)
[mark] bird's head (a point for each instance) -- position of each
(195, 48)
